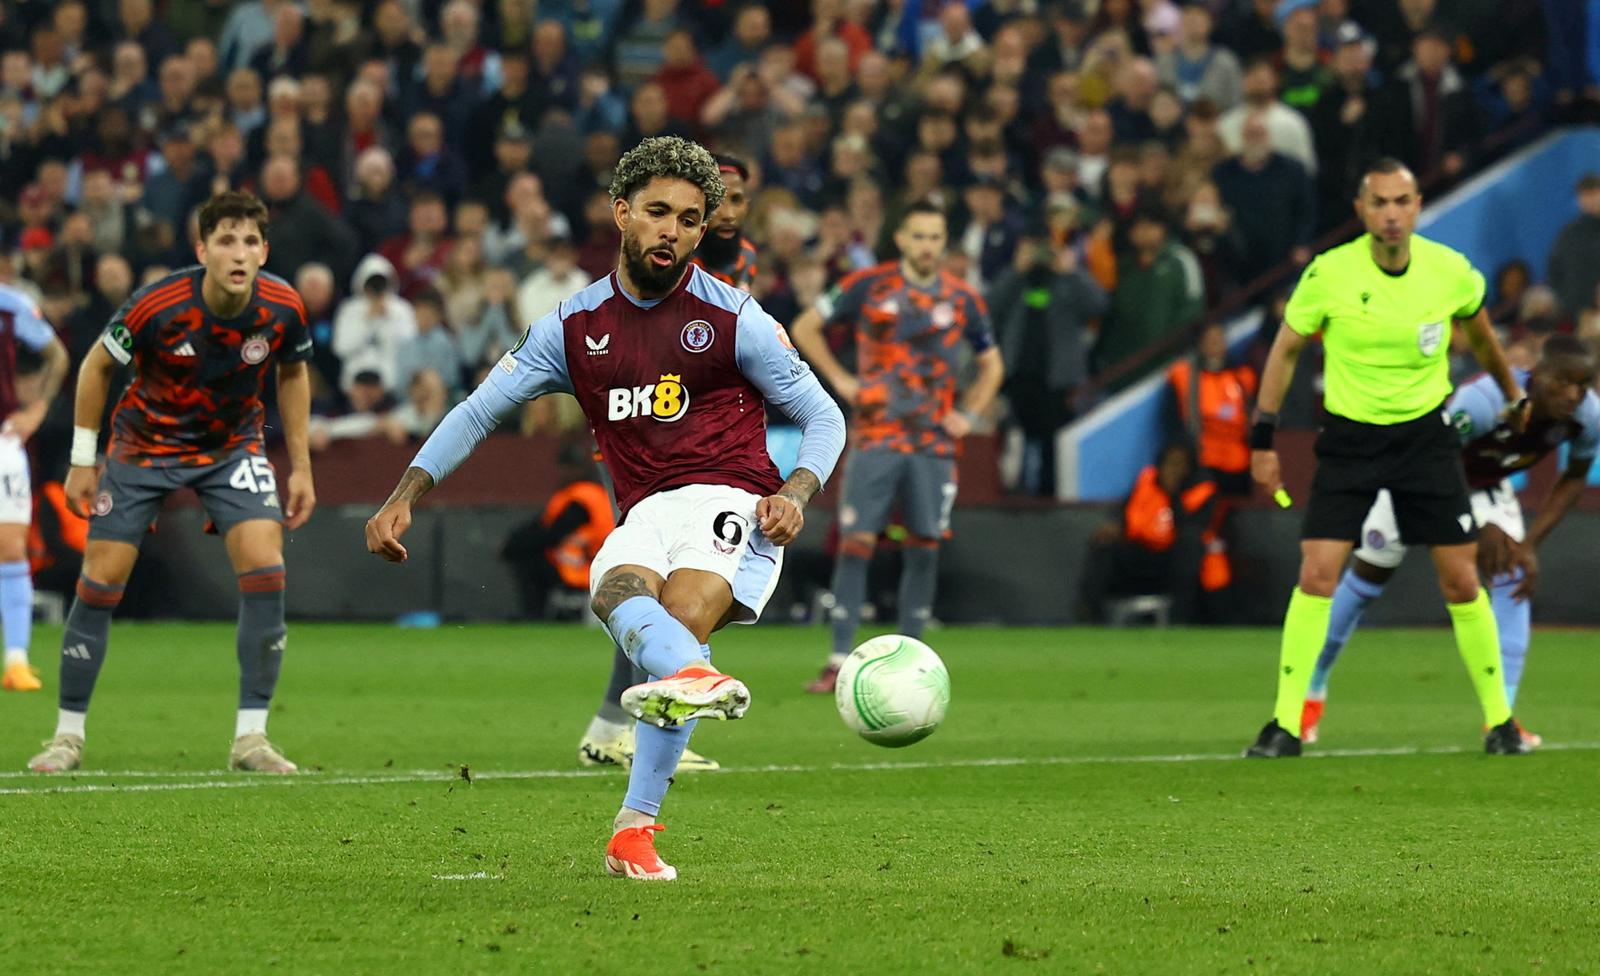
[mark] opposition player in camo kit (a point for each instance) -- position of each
(910, 319)
(673, 370)
(21, 322)
(202, 342)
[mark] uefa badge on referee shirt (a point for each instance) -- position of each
(1429, 337)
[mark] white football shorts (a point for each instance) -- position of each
(1382, 546)
(706, 527)
(16, 497)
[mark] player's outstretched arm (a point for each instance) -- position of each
(1275, 378)
(294, 405)
(392, 520)
(94, 385)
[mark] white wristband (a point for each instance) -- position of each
(84, 441)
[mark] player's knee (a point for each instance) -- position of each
(695, 611)
(1459, 586)
(857, 545)
(920, 542)
(1317, 579)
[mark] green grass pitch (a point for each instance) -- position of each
(1077, 813)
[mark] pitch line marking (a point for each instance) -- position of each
(247, 781)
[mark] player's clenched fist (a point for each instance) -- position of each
(80, 486)
(385, 529)
(780, 518)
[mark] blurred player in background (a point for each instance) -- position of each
(201, 341)
(1384, 304)
(727, 255)
(910, 318)
(672, 369)
(21, 322)
(1565, 410)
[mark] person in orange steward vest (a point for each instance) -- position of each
(1153, 548)
(1209, 403)
(555, 550)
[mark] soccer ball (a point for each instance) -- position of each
(892, 691)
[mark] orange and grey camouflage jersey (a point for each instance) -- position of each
(907, 351)
(196, 394)
(740, 273)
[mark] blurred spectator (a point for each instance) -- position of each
(597, 255)
(376, 212)
(752, 29)
(316, 284)
(102, 203)
(248, 29)
(247, 110)
(371, 325)
(432, 348)
(991, 230)
(512, 103)
(394, 40)
(418, 254)
(72, 262)
(459, 23)
(600, 108)
(518, 242)
(1044, 308)
(1302, 63)
(442, 93)
(558, 279)
(1287, 129)
(1060, 51)
(684, 78)
(1429, 119)
(176, 87)
(1342, 122)
(429, 163)
(556, 551)
(1208, 229)
(1130, 109)
(1153, 548)
(1198, 68)
(113, 283)
(287, 53)
(368, 402)
(484, 339)
(136, 21)
(364, 126)
(1538, 317)
(1094, 150)
(639, 48)
(1574, 267)
(1251, 29)
(1514, 104)
(426, 403)
(956, 42)
(828, 20)
(1158, 293)
(554, 73)
(513, 151)
(1272, 200)
(1511, 281)
(301, 230)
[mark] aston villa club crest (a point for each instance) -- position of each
(254, 350)
(697, 336)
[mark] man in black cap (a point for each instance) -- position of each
(513, 154)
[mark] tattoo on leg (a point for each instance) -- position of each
(615, 589)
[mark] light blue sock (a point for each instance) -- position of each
(1514, 618)
(656, 752)
(1350, 600)
(16, 604)
(651, 637)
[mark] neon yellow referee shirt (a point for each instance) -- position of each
(1387, 336)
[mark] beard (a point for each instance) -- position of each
(648, 276)
(717, 251)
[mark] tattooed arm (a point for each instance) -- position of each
(386, 527)
(782, 516)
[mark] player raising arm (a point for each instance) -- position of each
(21, 321)
(200, 341)
(672, 369)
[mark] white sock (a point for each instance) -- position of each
(250, 720)
(836, 660)
(16, 655)
(600, 729)
(628, 817)
(70, 723)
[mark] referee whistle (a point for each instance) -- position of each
(1281, 496)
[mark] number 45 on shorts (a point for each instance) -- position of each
(253, 474)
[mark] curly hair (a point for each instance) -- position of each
(670, 157)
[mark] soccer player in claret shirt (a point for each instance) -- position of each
(1384, 304)
(673, 369)
(21, 322)
(1565, 410)
(727, 255)
(202, 342)
(910, 319)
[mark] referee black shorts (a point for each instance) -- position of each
(1419, 461)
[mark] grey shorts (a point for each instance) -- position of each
(240, 489)
(925, 486)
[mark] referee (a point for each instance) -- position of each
(1384, 304)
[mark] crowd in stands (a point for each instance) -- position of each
(437, 170)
